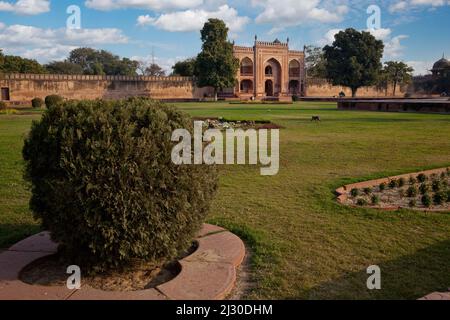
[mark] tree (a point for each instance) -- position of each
(16, 64)
(216, 66)
(155, 70)
(396, 72)
(184, 68)
(354, 59)
(63, 67)
(315, 62)
(100, 62)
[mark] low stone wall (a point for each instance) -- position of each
(316, 87)
(25, 87)
(403, 105)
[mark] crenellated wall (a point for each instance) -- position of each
(25, 87)
(322, 88)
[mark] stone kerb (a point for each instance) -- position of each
(219, 254)
(342, 192)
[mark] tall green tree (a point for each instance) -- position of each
(315, 62)
(216, 66)
(395, 73)
(184, 68)
(354, 59)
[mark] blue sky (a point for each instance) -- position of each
(414, 31)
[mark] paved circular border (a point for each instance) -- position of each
(207, 274)
(342, 192)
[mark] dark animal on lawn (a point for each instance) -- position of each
(315, 118)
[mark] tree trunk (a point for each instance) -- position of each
(215, 94)
(395, 87)
(354, 92)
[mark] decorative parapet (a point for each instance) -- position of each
(271, 44)
(62, 77)
(239, 48)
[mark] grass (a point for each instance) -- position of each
(305, 245)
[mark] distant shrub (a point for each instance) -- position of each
(2, 105)
(393, 184)
(423, 188)
(382, 186)
(422, 178)
(439, 198)
(436, 185)
(354, 192)
(443, 175)
(448, 195)
(342, 94)
(104, 184)
(53, 100)
(361, 202)
(401, 182)
(37, 103)
(367, 190)
(411, 192)
(412, 203)
(9, 111)
(375, 200)
(426, 200)
(295, 98)
(412, 180)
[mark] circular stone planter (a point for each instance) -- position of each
(343, 193)
(218, 255)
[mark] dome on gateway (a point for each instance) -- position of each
(441, 64)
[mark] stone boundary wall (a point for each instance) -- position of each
(317, 87)
(25, 87)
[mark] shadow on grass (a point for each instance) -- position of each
(409, 277)
(12, 233)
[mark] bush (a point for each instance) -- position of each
(423, 188)
(412, 203)
(37, 103)
(439, 198)
(448, 195)
(375, 200)
(354, 192)
(342, 94)
(436, 185)
(382, 186)
(2, 105)
(104, 184)
(361, 202)
(53, 100)
(422, 178)
(401, 182)
(367, 191)
(426, 200)
(411, 192)
(393, 184)
(412, 180)
(295, 98)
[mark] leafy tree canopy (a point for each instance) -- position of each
(63, 67)
(354, 59)
(16, 64)
(216, 66)
(155, 70)
(315, 62)
(184, 68)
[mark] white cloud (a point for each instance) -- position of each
(193, 20)
(48, 44)
(328, 37)
(26, 7)
(393, 48)
(156, 5)
(420, 67)
(405, 5)
(289, 13)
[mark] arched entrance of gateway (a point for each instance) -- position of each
(269, 88)
(294, 87)
(272, 76)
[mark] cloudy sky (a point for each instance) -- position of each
(414, 31)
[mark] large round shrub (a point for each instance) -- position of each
(53, 100)
(104, 184)
(37, 103)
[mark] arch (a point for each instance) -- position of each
(246, 86)
(268, 88)
(294, 68)
(247, 67)
(294, 87)
(273, 72)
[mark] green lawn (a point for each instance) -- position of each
(305, 245)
